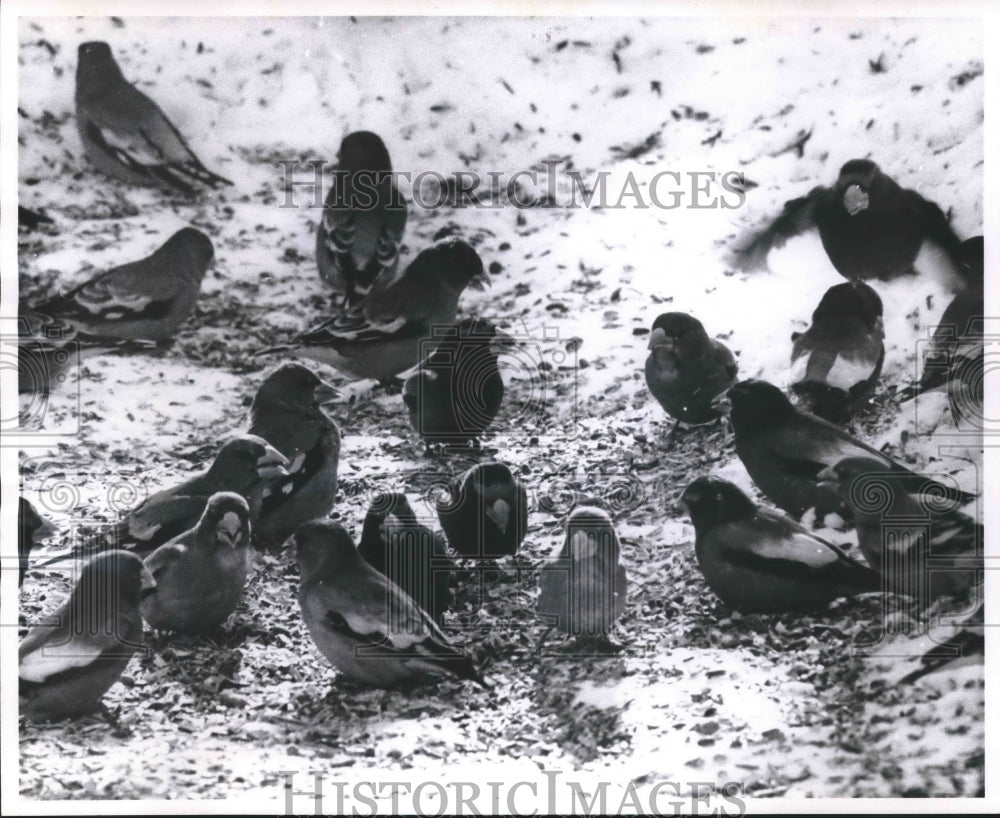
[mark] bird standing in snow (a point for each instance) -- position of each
(758, 560)
(143, 300)
(287, 412)
(201, 573)
(836, 363)
(486, 514)
(393, 327)
(364, 216)
(125, 134)
(686, 370)
(364, 624)
(66, 666)
(870, 226)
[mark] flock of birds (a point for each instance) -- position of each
(179, 561)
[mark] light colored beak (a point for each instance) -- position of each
(499, 513)
(658, 340)
(146, 578)
(855, 200)
(325, 393)
(45, 530)
(271, 465)
(229, 529)
(481, 281)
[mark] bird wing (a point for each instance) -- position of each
(165, 510)
(124, 293)
(50, 650)
(934, 222)
(797, 216)
(162, 560)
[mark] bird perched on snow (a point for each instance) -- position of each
(364, 216)
(920, 547)
(870, 226)
(408, 553)
(201, 573)
(364, 624)
(784, 449)
(32, 528)
(486, 514)
(757, 560)
(287, 412)
(125, 134)
(686, 370)
(966, 645)
(67, 665)
(457, 392)
(836, 363)
(142, 300)
(245, 465)
(583, 586)
(393, 327)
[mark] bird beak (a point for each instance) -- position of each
(658, 340)
(271, 465)
(721, 403)
(148, 584)
(325, 393)
(499, 513)
(855, 200)
(481, 281)
(45, 530)
(229, 529)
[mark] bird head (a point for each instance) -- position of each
(193, 245)
(228, 514)
(363, 150)
(852, 299)
(95, 65)
(456, 262)
(322, 548)
(109, 577)
(296, 385)
(757, 404)
(855, 184)
(245, 460)
(676, 332)
(712, 501)
(590, 534)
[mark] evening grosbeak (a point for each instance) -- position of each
(485, 515)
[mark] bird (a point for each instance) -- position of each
(966, 645)
(409, 554)
(364, 218)
(392, 329)
(836, 363)
(125, 134)
(919, 545)
(67, 664)
(869, 225)
(456, 393)
(363, 623)
(485, 515)
(245, 465)
(287, 412)
(784, 449)
(143, 300)
(200, 574)
(583, 586)
(30, 219)
(32, 528)
(758, 560)
(686, 370)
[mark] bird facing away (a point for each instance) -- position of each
(364, 217)
(200, 575)
(32, 528)
(392, 329)
(408, 553)
(784, 449)
(582, 588)
(757, 560)
(486, 514)
(363, 623)
(686, 370)
(920, 547)
(143, 300)
(287, 412)
(66, 665)
(836, 363)
(457, 392)
(870, 226)
(125, 134)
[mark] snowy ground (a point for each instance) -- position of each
(781, 705)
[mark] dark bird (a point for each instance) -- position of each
(125, 134)
(392, 329)
(870, 226)
(30, 219)
(583, 586)
(200, 575)
(784, 449)
(921, 547)
(758, 560)
(287, 412)
(32, 528)
(457, 392)
(407, 552)
(364, 216)
(486, 514)
(836, 363)
(965, 646)
(68, 663)
(686, 370)
(364, 624)
(143, 300)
